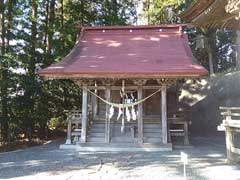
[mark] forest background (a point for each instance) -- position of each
(37, 33)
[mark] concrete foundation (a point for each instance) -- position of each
(116, 147)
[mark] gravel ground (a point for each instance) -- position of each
(207, 161)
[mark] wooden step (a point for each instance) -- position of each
(152, 122)
(152, 140)
(97, 134)
(123, 140)
(152, 130)
(151, 126)
(152, 134)
(98, 126)
(98, 122)
(96, 139)
(93, 130)
(154, 145)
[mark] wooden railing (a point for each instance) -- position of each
(180, 128)
(73, 118)
(231, 126)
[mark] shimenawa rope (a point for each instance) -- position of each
(123, 105)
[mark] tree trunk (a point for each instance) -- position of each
(211, 38)
(51, 23)
(33, 38)
(9, 20)
(1, 68)
(115, 11)
(82, 13)
(3, 29)
(43, 132)
(46, 23)
(50, 32)
(3, 76)
(29, 133)
(148, 7)
(62, 14)
(32, 68)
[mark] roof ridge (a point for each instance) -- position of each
(133, 27)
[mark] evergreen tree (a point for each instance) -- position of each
(35, 34)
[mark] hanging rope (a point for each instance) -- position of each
(123, 105)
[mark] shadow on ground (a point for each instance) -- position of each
(207, 155)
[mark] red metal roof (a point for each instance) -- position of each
(129, 51)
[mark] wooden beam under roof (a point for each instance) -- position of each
(212, 14)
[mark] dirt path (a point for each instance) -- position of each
(207, 162)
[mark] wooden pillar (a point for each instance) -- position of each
(84, 114)
(94, 106)
(228, 135)
(143, 104)
(140, 115)
(107, 126)
(69, 132)
(164, 114)
(229, 145)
